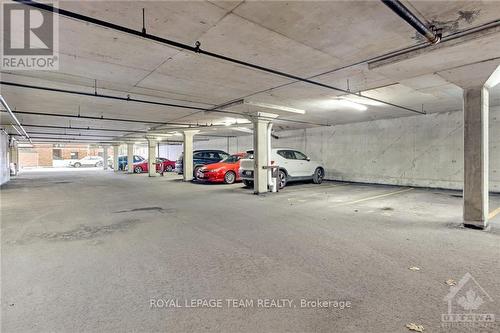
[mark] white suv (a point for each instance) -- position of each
(293, 166)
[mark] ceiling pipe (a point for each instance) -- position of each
(94, 94)
(86, 128)
(74, 140)
(197, 49)
(429, 32)
(128, 99)
(73, 134)
(98, 118)
(6, 106)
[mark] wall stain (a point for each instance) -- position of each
(451, 26)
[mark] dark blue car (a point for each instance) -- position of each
(122, 161)
(201, 158)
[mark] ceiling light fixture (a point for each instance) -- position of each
(352, 105)
(360, 100)
(275, 107)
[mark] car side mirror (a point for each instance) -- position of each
(308, 159)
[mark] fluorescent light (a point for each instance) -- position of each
(360, 100)
(227, 121)
(338, 103)
(352, 105)
(276, 107)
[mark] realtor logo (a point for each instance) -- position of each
(30, 38)
(468, 305)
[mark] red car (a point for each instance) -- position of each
(224, 171)
(143, 165)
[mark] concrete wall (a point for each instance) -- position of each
(171, 152)
(4, 158)
(424, 151)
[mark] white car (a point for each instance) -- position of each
(94, 161)
(293, 166)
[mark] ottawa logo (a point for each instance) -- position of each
(468, 306)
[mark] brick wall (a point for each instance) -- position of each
(28, 158)
(42, 155)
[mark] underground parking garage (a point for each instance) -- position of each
(250, 166)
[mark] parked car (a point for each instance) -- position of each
(293, 166)
(168, 165)
(88, 161)
(122, 161)
(142, 166)
(201, 158)
(224, 171)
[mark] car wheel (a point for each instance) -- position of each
(77, 165)
(229, 177)
(169, 168)
(319, 174)
(195, 171)
(138, 169)
(281, 179)
(248, 183)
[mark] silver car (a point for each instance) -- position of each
(88, 161)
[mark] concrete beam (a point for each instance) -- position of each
(152, 147)
(188, 154)
(130, 157)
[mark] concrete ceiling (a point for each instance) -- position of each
(329, 41)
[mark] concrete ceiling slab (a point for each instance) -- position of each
(184, 21)
(471, 75)
(241, 39)
(347, 30)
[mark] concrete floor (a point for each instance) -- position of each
(88, 250)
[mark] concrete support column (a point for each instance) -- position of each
(476, 112)
(14, 156)
(130, 157)
(115, 157)
(261, 147)
(105, 157)
(152, 147)
(187, 163)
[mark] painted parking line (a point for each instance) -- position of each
(374, 197)
(494, 213)
(321, 187)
